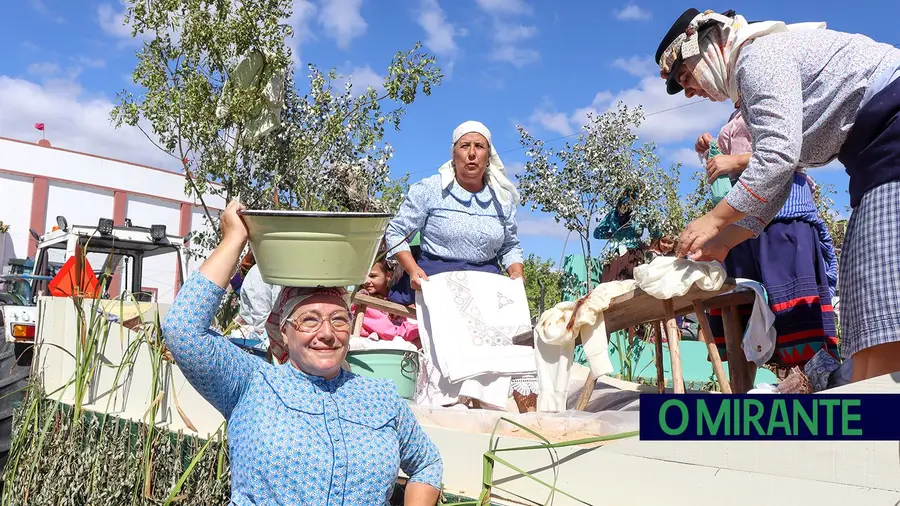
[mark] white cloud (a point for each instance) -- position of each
(29, 47)
(687, 157)
(39, 6)
(43, 69)
(632, 12)
(302, 12)
(638, 66)
(439, 33)
(92, 62)
(342, 21)
(516, 56)
(112, 22)
(541, 227)
(362, 79)
(557, 122)
(508, 33)
(73, 120)
(504, 6)
(515, 168)
(668, 118)
(507, 37)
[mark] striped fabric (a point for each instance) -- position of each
(801, 206)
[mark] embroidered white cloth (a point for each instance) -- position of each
(468, 323)
(663, 278)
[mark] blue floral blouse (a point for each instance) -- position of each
(295, 438)
(455, 224)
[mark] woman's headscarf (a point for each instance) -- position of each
(717, 39)
(288, 300)
(495, 171)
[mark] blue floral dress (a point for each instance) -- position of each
(295, 438)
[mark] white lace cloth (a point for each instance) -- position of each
(468, 323)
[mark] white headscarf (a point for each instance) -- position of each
(495, 171)
(717, 40)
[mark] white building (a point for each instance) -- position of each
(39, 182)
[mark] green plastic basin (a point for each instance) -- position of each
(400, 366)
(305, 248)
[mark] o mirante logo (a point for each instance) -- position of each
(769, 416)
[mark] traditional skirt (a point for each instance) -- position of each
(787, 260)
(869, 280)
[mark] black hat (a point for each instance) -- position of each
(677, 29)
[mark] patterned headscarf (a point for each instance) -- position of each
(716, 40)
(496, 173)
(288, 300)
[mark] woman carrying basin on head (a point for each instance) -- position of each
(306, 431)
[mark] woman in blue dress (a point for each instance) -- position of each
(465, 215)
(306, 431)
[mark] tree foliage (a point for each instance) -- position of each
(539, 271)
(583, 181)
(324, 146)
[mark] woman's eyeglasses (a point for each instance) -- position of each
(312, 322)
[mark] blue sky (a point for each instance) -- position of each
(539, 64)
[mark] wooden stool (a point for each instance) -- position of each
(637, 307)
(363, 301)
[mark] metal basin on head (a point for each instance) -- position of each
(308, 248)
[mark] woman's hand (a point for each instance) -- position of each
(516, 271)
(698, 233)
(232, 226)
(714, 250)
(724, 165)
(702, 145)
(416, 276)
(220, 266)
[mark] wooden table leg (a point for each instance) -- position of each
(672, 334)
(706, 336)
(586, 391)
(737, 362)
(660, 373)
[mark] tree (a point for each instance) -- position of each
(537, 272)
(218, 91)
(700, 201)
(822, 196)
(581, 182)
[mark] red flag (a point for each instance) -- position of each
(39, 126)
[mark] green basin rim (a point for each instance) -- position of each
(313, 214)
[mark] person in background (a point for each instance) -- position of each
(378, 324)
(809, 96)
(237, 281)
(793, 258)
(306, 431)
(465, 215)
(257, 298)
(623, 236)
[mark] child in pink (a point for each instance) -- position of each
(387, 327)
